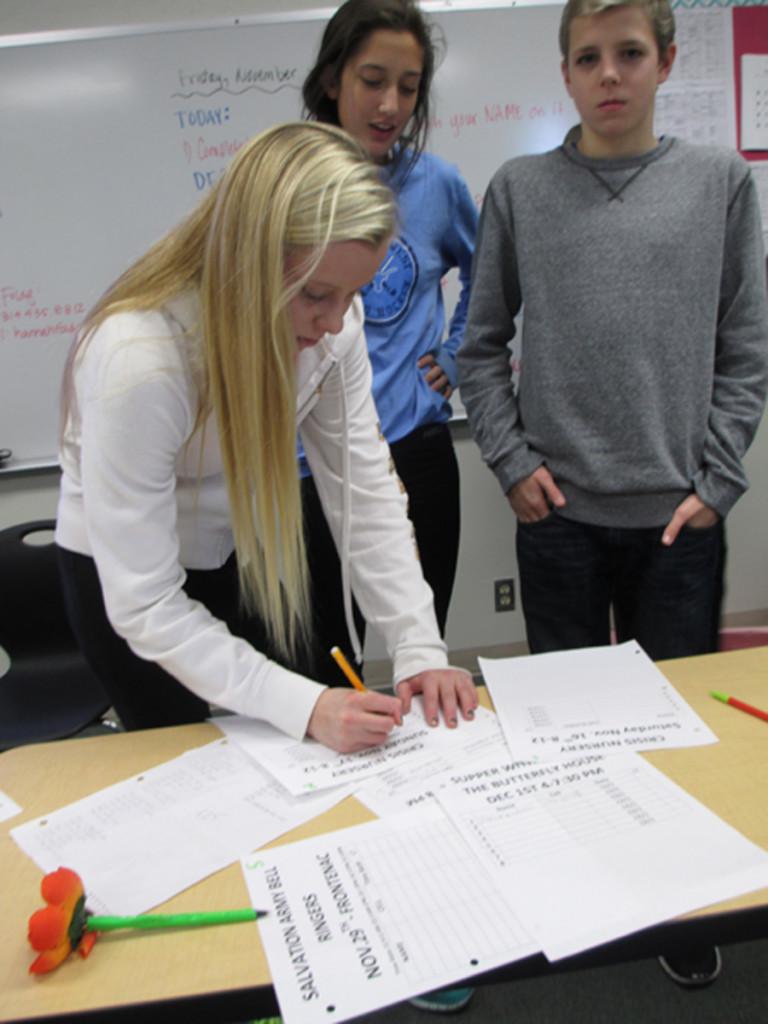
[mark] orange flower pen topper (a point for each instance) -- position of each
(58, 928)
(64, 924)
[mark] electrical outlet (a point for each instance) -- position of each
(504, 595)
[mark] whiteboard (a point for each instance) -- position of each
(109, 140)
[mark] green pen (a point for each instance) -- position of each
(65, 924)
(110, 923)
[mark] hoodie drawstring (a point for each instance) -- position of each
(346, 521)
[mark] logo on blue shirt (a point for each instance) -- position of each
(388, 295)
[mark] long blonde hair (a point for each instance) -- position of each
(295, 185)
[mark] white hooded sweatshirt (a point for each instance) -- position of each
(140, 497)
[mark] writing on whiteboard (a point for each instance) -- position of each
(202, 118)
(9, 296)
(202, 150)
(22, 316)
(206, 179)
(202, 79)
(255, 76)
(206, 83)
(497, 112)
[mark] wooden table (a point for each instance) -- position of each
(221, 974)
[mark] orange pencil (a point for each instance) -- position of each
(338, 656)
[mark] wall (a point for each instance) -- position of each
(487, 547)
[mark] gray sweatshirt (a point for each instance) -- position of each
(645, 328)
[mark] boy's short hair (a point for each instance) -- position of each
(659, 12)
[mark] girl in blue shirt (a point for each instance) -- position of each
(372, 77)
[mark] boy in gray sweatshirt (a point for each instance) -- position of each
(638, 265)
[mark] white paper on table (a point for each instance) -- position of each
(307, 766)
(371, 915)
(139, 842)
(754, 101)
(594, 700)
(592, 848)
(398, 789)
(8, 807)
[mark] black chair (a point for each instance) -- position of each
(48, 691)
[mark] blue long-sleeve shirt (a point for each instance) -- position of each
(404, 307)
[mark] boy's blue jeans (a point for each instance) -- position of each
(572, 574)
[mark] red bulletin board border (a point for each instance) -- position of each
(750, 35)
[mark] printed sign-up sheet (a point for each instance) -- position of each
(371, 915)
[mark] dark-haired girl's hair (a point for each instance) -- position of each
(344, 36)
